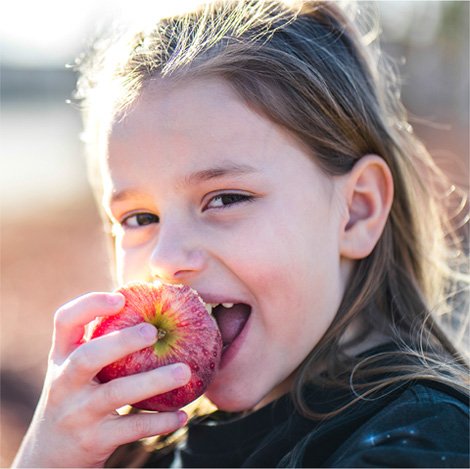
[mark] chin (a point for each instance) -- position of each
(230, 400)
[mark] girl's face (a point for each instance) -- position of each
(204, 191)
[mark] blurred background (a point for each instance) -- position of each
(52, 244)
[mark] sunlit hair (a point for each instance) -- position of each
(312, 70)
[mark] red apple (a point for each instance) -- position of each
(187, 333)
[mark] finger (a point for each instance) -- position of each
(132, 427)
(87, 360)
(135, 388)
(70, 319)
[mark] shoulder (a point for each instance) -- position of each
(427, 425)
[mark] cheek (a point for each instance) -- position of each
(131, 265)
(296, 271)
(300, 248)
(119, 262)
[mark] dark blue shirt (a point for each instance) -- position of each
(420, 425)
(414, 424)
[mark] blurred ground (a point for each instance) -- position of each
(47, 259)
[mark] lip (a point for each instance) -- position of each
(229, 353)
(219, 299)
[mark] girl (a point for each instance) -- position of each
(258, 152)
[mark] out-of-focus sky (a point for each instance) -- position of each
(51, 32)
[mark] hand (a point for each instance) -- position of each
(75, 423)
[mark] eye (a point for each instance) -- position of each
(224, 200)
(137, 220)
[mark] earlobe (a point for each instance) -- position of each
(368, 196)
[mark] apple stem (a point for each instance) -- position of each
(160, 334)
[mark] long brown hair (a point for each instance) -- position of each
(312, 70)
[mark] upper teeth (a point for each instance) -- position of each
(211, 306)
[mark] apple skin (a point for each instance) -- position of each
(187, 333)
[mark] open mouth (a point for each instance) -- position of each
(231, 319)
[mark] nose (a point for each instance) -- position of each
(176, 256)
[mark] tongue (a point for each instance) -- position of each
(231, 321)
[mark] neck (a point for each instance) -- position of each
(283, 388)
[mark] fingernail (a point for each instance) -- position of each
(115, 299)
(181, 373)
(148, 332)
(182, 417)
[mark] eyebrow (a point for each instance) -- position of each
(125, 194)
(231, 169)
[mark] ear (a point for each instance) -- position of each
(368, 195)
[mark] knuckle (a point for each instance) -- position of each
(58, 385)
(87, 442)
(113, 393)
(142, 426)
(68, 421)
(75, 422)
(171, 420)
(124, 338)
(80, 360)
(131, 333)
(88, 406)
(129, 339)
(62, 317)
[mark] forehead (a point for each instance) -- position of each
(192, 123)
(181, 111)
(186, 123)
